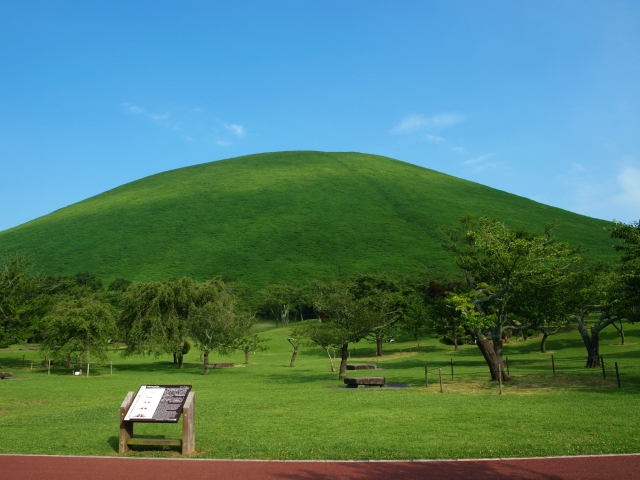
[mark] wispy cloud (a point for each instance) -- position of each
(416, 123)
(459, 150)
(480, 163)
(191, 124)
(609, 197)
(237, 130)
(479, 159)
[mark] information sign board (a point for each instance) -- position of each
(158, 403)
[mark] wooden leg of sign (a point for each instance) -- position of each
(189, 425)
(126, 428)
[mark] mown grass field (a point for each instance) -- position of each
(284, 216)
(268, 410)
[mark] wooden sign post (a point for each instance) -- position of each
(187, 442)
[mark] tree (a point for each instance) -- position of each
(352, 315)
(281, 299)
(250, 342)
(156, 316)
(383, 302)
(323, 335)
(629, 269)
(219, 323)
(23, 298)
(598, 288)
(81, 326)
(495, 259)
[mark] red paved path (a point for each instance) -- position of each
(31, 467)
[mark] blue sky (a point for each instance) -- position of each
(538, 98)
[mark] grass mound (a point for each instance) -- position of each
(279, 216)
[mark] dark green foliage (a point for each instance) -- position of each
(279, 217)
(89, 280)
(119, 285)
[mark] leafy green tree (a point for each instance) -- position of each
(78, 327)
(383, 302)
(629, 271)
(156, 316)
(354, 317)
(250, 342)
(23, 299)
(494, 260)
(324, 335)
(219, 324)
(281, 299)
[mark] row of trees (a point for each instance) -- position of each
(514, 281)
(511, 281)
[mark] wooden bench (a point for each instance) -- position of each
(362, 366)
(221, 365)
(4, 375)
(367, 381)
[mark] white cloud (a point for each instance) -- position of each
(133, 108)
(629, 182)
(434, 138)
(158, 117)
(459, 150)
(187, 137)
(479, 159)
(221, 142)
(237, 130)
(413, 123)
(605, 196)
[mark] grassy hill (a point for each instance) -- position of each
(279, 216)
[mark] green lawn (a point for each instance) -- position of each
(268, 410)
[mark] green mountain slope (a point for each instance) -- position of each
(279, 216)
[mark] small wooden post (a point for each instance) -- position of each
(126, 428)
(111, 367)
(604, 373)
(48, 367)
(440, 370)
(31, 365)
(88, 369)
(553, 365)
(452, 369)
(426, 377)
(189, 425)
(618, 375)
(500, 377)
(23, 355)
(507, 360)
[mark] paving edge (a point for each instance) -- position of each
(502, 459)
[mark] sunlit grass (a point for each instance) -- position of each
(269, 410)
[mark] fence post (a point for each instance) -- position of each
(111, 367)
(500, 377)
(604, 373)
(618, 375)
(553, 365)
(440, 370)
(452, 369)
(426, 377)
(88, 369)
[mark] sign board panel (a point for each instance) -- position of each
(158, 403)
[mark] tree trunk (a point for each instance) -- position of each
(343, 361)
(295, 352)
(180, 361)
(333, 369)
(379, 347)
(493, 360)
(587, 341)
(175, 359)
(206, 362)
(620, 331)
(246, 354)
(595, 342)
(543, 344)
